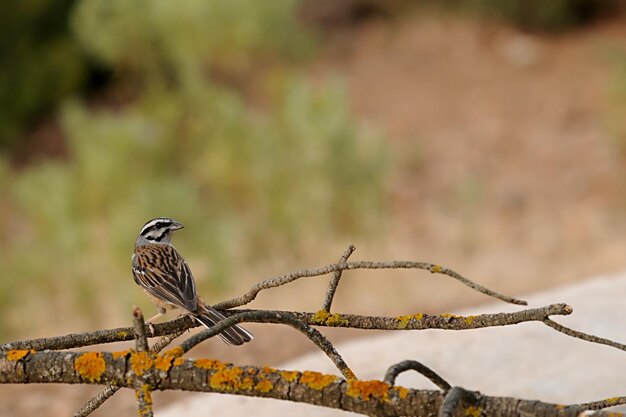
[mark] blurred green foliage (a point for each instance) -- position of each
(543, 15)
(248, 181)
(39, 62)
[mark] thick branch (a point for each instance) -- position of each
(374, 398)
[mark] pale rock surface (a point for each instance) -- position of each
(529, 360)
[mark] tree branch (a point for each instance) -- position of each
(373, 398)
(332, 286)
(417, 321)
(287, 278)
(395, 370)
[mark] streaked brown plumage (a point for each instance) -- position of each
(166, 278)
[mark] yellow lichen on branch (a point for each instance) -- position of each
(140, 362)
(324, 317)
(230, 379)
(404, 320)
(289, 376)
(316, 380)
(16, 355)
(90, 365)
(366, 390)
(472, 411)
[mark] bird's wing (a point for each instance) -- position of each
(161, 271)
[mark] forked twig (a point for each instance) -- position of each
(287, 278)
(276, 318)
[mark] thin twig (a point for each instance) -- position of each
(584, 336)
(599, 405)
(395, 370)
(95, 402)
(287, 278)
(276, 318)
(143, 390)
(332, 287)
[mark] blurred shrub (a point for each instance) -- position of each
(40, 62)
(249, 181)
(547, 15)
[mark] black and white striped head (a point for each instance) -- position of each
(158, 230)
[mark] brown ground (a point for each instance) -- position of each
(503, 168)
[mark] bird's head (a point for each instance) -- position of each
(158, 230)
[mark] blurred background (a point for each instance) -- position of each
(487, 136)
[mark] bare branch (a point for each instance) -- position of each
(332, 287)
(287, 278)
(395, 370)
(606, 403)
(584, 336)
(139, 327)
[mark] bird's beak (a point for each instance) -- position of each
(176, 226)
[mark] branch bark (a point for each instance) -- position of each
(373, 398)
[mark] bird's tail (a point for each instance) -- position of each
(234, 335)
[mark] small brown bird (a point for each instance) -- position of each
(166, 278)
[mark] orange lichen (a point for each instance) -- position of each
(16, 355)
(436, 268)
(402, 392)
(175, 352)
(316, 380)
(472, 411)
(207, 363)
(289, 376)
(404, 320)
(163, 362)
(179, 361)
(120, 354)
(140, 362)
(230, 379)
(268, 370)
(264, 385)
(90, 365)
(368, 390)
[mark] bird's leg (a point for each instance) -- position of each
(153, 318)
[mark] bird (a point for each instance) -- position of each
(166, 278)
